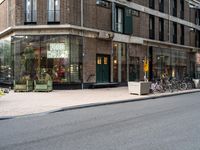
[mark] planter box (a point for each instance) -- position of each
(45, 86)
(196, 83)
(23, 87)
(139, 88)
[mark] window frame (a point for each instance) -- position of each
(32, 19)
(53, 18)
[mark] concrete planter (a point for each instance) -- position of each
(197, 83)
(43, 86)
(139, 88)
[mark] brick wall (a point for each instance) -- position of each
(91, 48)
(144, 25)
(96, 16)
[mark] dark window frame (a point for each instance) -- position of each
(174, 8)
(174, 32)
(152, 4)
(55, 13)
(151, 25)
(33, 13)
(182, 37)
(122, 19)
(182, 6)
(161, 29)
(161, 5)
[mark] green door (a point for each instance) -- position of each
(102, 68)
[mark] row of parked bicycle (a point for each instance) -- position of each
(166, 84)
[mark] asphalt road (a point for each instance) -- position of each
(171, 123)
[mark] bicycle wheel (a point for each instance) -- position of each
(189, 85)
(183, 86)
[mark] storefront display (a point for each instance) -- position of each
(171, 62)
(59, 56)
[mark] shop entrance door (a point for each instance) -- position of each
(102, 68)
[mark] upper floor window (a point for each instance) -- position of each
(197, 43)
(174, 32)
(182, 9)
(119, 19)
(174, 7)
(30, 11)
(161, 29)
(151, 27)
(122, 19)
(161, 5)
(197, 16)
(53, 11)
(152, 4)
(182, 35)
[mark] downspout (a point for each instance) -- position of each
(83, 54)
(169, 21)
(81, 13)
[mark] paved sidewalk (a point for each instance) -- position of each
(17, 104)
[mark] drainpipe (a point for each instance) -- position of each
(82, 84)
(169, 21)
(81, 13)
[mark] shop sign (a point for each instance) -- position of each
(146, 65)
(57, 50)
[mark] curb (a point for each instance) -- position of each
(99, 104)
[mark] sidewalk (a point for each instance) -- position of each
(17, 104)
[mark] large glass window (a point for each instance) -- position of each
(182, 37)
(6, 69)
(161, 5)
(119, 19)
(134, 68)
(161, 29)
(182, 3)
(174, 7)
(119, 62)
(151, 27)
(59, 56)
(53, 11)
(174, 32)
(31, 11)
(171, 62)
(151, 4)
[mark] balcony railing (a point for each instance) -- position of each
(53, 16)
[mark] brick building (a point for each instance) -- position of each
(98, 41)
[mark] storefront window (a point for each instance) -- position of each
(171, 62)
(59, 56)
(119, 62)
(134, 68)
(6, 69)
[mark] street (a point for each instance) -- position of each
(170, 123)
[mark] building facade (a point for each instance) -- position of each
(82, 42)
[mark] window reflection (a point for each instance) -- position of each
(59, 56)
(6, 73)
